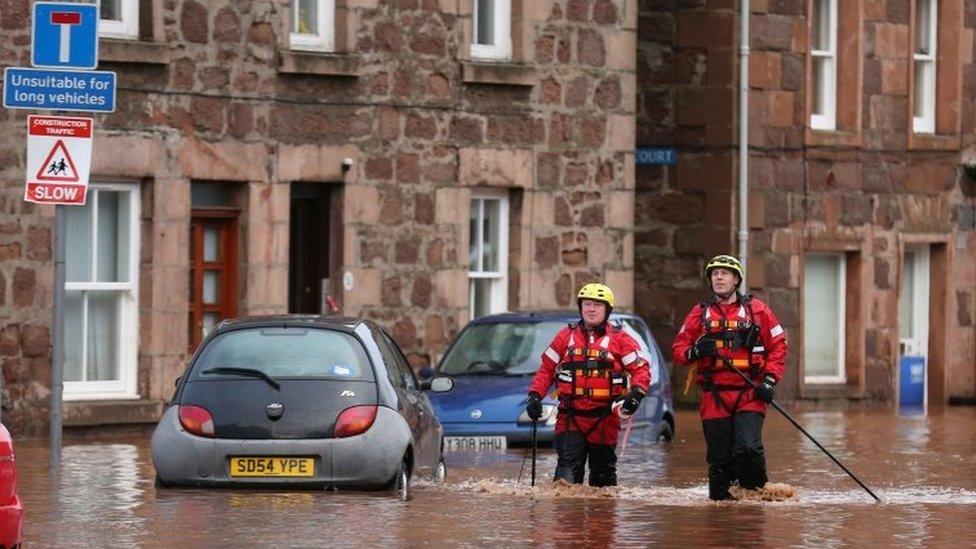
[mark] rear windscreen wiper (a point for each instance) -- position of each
(244, 372)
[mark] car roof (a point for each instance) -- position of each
(342, 323)
(541, 316)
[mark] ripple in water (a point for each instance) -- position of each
(698, 495)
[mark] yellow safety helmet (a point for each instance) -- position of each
(597, 292)
(724, 262)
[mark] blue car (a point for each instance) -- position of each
(492, 362)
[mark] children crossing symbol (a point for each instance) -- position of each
(58, 166)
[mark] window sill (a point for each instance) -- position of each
(505, 74)
(112, 412)
(323, 64)
(933, 142)
(830, 391)
(132, 51)
(831, 138)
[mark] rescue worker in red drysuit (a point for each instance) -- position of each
(731, 330)
(588, 361)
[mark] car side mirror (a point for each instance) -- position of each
(441, 384)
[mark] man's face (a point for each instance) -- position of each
(594, 312)
(724, 280)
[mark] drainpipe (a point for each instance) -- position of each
(744, 138)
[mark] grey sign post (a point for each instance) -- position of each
(64, 50)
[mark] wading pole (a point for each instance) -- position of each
(809, 436)
(535, 444)
(623, 447)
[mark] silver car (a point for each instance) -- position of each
(300, 400)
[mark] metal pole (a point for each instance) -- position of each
(744, 139)
(535, 445)
(57, 336)
(808, 435)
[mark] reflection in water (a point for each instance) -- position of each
(920, 466)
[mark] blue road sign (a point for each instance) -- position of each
(653, 156)
(89, 91)
(65, 35)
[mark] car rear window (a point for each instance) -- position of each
(286, 353)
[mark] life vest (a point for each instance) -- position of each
(588, 372)
(739, 336)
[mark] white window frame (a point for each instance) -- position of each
(828, 79)
(324, 39)
(839, 323)
(499, 287)
(127, 28)
(917, 344)
(501, 50)
(925, 67)
(128, 314)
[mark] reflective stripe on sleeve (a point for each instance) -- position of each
(551, 354)
(776, 330)
(629, 358)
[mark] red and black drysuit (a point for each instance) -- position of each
(749, 338)
(589, 367)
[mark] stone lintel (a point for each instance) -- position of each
(495, 168)
(126, 156)
(319, 163)
(224, 161)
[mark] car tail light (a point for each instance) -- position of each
(197, 420)
(354, 420)
(8, 478)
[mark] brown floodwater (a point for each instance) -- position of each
(921, 466)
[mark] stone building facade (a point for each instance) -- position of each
(853, 203)
(234, 156)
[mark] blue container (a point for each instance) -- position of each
(912, 385)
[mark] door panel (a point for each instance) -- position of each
(213, 271)
(314, 248)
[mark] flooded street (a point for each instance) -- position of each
(921, 466)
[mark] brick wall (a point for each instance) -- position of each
(866, 190)
(224, 101)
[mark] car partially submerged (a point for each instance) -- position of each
(492, 362)
(11, 509)
(299, 400)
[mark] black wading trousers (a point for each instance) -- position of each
(735, 453)
(573, 451)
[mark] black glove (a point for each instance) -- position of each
(764, 391)
(702, 348)
(632, 401)
(534, 406)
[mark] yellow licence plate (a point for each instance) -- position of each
(272, 467)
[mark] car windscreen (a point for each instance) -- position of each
(284, 353)
(506, 348)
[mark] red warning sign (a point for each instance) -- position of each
(58, 166)
(58, 159)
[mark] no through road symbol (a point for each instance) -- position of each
(58, 159)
